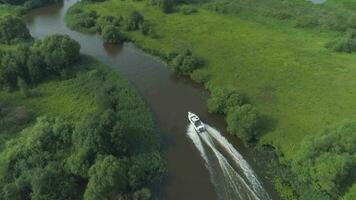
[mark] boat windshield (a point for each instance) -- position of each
(197, 123)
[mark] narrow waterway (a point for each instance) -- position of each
(169, 97)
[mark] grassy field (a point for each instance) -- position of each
(286, 72)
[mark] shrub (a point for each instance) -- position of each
(83, 20)
(327, 162)
(112, 35)
(134, 21)
(223, 99)
(200, 76)
(13, 29)
(58, 51)
(143, 194)
(108, 20)
(347, 44)
(145, 28)
(185, 63)
(23, 87)
(243, 122)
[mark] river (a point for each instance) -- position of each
(168, 96)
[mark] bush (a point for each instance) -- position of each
(23, 87)
(58, 52)
(223, 99)
(13, 29)
(327, 162)
(243, 121)
(134, 21)
(143, 194)
(112, 35)
(83, 20)
(200, 76)
(185, 63)
(108, 20)
(347, 44)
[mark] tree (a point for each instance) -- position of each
(36, 67)
(134, 21)
(327, 162)
(144, 167)
(112, 34)
(143, 194)
(23, 87)
(9, 71)
(13, 29)
(58, 51)
(106, 178)
(242, 121)
(185, 63)
(222, 99)
(53, 183)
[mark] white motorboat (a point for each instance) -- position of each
(196, 122)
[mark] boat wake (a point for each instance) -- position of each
(231, 175)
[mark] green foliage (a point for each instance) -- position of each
(347, 44)
(351, 193)
(58, 158)
(328, 161)
(23, 87)
(58, 51)
(112, 34)
(12, 119)
(106, 177)
(243, 121)
(134, 21)
(84, 21)
(222, 99)
(51, 56)
(13, 29)
(143, 194)
(185, 62)
(188, 9)
(108, 20)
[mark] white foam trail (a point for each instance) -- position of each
(240, 161)
(230, 184)
(231, 173)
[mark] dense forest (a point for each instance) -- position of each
(69, 127)
(272, 68)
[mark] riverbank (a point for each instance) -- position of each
(286, 72)
(70, 122)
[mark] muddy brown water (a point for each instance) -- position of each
(169, 97)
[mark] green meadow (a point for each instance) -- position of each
(298, 85)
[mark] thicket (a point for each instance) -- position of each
(324, 167)
(113, 29)
(13, 30)
(13, 119)
(32, 63)
(346, 44)
(112, 153)
(242, 119)
(184, 63)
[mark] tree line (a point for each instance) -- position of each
(32, 62)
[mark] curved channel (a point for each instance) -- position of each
(169, 97)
